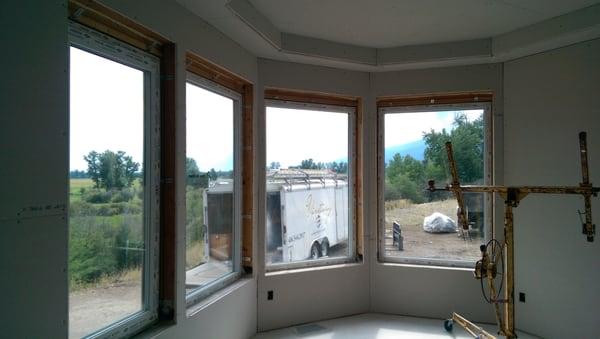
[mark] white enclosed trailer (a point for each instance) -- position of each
(307, 213)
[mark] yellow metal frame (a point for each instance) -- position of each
(512, 197)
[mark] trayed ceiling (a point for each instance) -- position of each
(381, 35)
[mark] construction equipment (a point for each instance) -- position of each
(497, 256)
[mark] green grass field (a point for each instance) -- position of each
(75, 186)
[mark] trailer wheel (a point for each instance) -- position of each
(448, 324)
(324, 248)
(315, 251)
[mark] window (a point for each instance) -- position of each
(417, 226)
(213, 187)
(114, 186)
(309, 184)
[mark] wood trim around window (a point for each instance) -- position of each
(435, 99)
(215, 73)
(103, 19)
(93, 14)
(357, 151)
(310, 97)
(168, 150)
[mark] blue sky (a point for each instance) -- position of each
(108, 114)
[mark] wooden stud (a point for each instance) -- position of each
(310, 97)
(435, 99)
(101, 18)
(168, 203)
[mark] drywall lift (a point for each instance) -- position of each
(493, 251)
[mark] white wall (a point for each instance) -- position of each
(33, 169)
(308, 295)
(549, 98)
(422, 291)
(34, 166)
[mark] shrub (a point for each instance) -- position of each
(98, 196)
(123, 195)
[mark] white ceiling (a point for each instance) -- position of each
(391, 23)
(380, 35)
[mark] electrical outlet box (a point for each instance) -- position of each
(522, 297)
(269, 295)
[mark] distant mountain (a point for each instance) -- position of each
(415, 149)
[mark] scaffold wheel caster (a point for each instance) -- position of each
(448, 324)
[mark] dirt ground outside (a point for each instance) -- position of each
(93, 308)
(420, 244)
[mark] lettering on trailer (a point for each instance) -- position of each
(296, 237)
(315, 210)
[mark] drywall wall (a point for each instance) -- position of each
(307, 295)
(33, 169)
(549, 98)
(230, 314)
(417, 290)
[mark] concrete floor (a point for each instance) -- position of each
(375, 326)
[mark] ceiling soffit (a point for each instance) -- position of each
(570, 28)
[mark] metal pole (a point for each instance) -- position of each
(509, 292)
(456, 189)
(588, 227)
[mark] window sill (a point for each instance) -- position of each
(423, 266)
(213, 298)
(350, 264)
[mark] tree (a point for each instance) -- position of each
(405, 178)
(467, 143)
(338, 167)
(193, 175)
(274, 165)
(212, 174)
(111, 170)
(191, 168)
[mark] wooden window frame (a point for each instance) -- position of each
(482, 99)
(103, 19)
(356, 157)
(203, 68)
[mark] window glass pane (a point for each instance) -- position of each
(106, 200)
(420, 224)
(307, 215)
(209, 187)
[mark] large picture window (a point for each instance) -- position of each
(114, 186)
(417, 226)
(309, 192)
(213, 188)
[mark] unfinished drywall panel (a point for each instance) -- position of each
(179, 25)
(228, 315)
(549, 98)
(316, 293)
(33, 169)
(421, 290)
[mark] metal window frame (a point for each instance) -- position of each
(102, 45)
(351, 257)
(488, 179)
(202, 292)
